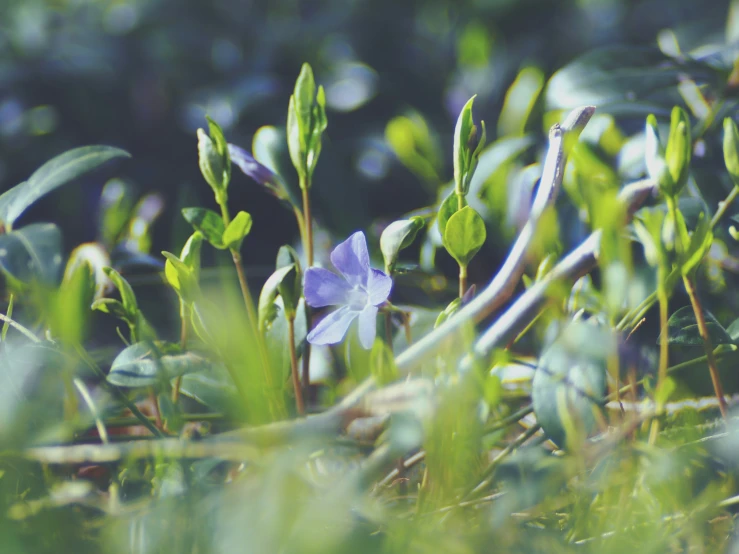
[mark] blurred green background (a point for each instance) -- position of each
(141, 75)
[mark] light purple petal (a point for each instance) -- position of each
(378, 287)
(332, 328)
(351, 258)
(368, 326)
(324, 288)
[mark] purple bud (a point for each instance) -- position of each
(253, 169)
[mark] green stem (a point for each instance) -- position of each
(663, 353)
(389, 330)
(305, 184)
(462, 280)
(308, 219)
(724, 205)
(707, 346)
(252, 316)
(184, 316)
(300, 405)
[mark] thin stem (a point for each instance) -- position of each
(389, 330)
(703, 330)
(663, 355)
(183, 347)
(300, 405)
(308, 219)
(18, 327)
(251, 314)
(462, 280)
(307, 224)
(724, 205)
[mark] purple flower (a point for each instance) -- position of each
(359, 291)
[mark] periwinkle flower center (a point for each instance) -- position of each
(357, 298)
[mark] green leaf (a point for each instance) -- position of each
(520, 99)
(699, 244)
(382, 363)
(213, 388)
(237, 230)
(267, 311)
(570, 383)
(397, 236)
(116, 205)
(449, 311)
(464, 235)
(32, 253)
(190, 254)
(96, 256)
(276, 337)
(654, 155)
(467, 148)
(731, 149)
(682, 329)
(679, 148)
(447, 209)
(305, 93)
(182, 278)
(208, 222)
(71, 304)
(214, 160)
(648, 225)
(138, 366)
(293, 140)
(111, 306)
(54, 173)
(128, 298)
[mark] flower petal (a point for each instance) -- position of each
(368, 326)
(351, 258)
(324, 288)
(378, 287)
(332, 328)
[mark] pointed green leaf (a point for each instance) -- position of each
(382, 363)
(128, 298)
(32, 253)
(699, 244)
(54, 173)
(464, 235)
(682, 329)
(570, 383)
(447, 209)
(237, 230)
(654, 155)
(464, 135)
(208, 222)
(679, 148)
(731, 149)
(293, 140)
(267, 311)
(138, 366)
(397, 236)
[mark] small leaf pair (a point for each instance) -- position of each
(463, 231)
(126, 309)
(183, 273)
(211, 226)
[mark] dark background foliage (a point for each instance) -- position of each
(141, 74)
